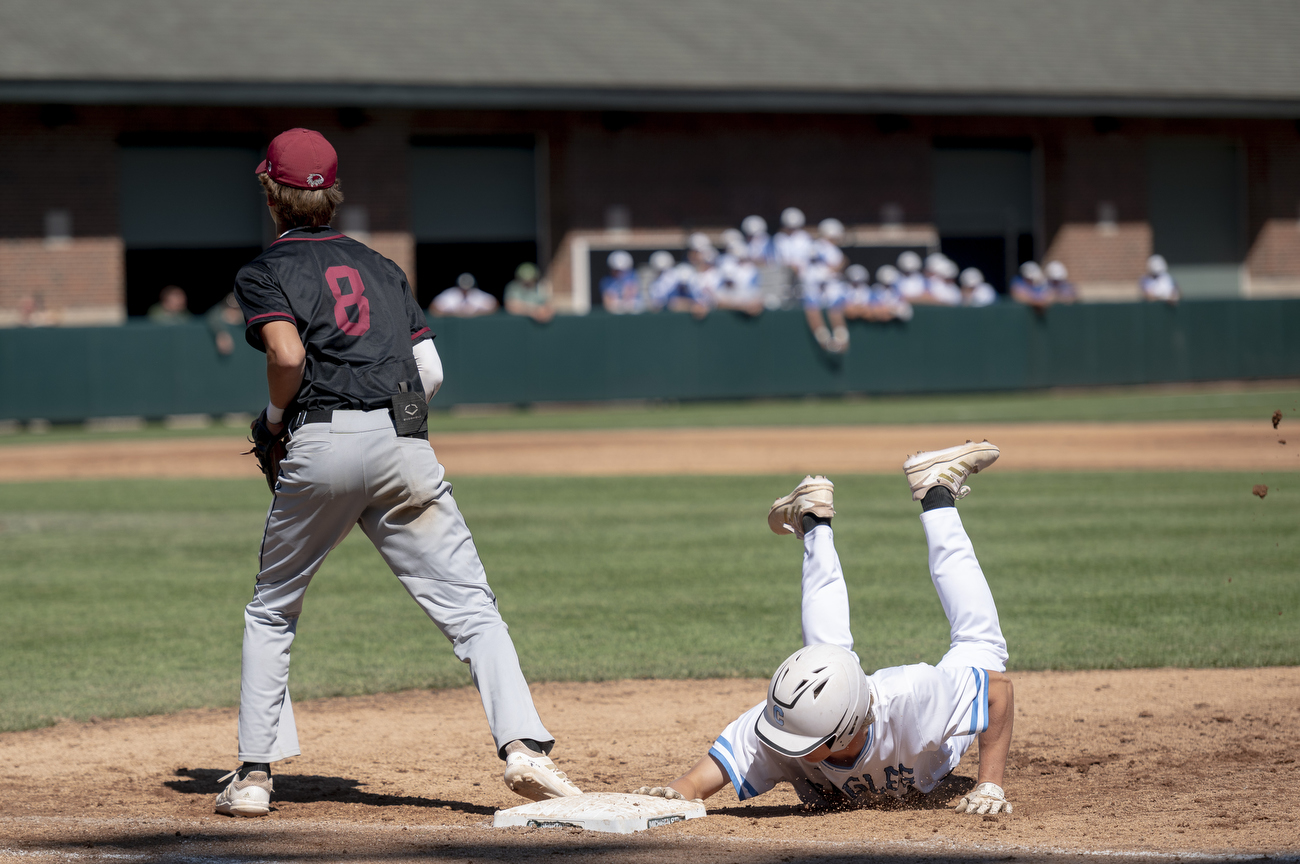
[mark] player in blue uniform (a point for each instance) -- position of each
(350, 366)
(839, 735)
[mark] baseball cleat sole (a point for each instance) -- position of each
(949, 467)
(248, 809)
(536, 778)
(786, 514)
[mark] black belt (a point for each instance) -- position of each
(305, 417)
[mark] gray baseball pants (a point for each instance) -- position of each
(355, 470)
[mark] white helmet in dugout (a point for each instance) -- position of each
(819, 695)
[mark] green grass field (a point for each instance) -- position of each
(1230, 401)
(125, 597)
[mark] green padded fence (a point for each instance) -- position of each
(143, 370)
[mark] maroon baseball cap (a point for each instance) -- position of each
(301, 158)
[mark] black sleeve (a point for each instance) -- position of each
(262, 300)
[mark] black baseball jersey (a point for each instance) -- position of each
(353, 309)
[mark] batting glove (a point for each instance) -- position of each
(661, 792)
(985, 798)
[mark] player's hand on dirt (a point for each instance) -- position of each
(661, 792)
(985, 798)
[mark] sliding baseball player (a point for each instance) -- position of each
(839, 735)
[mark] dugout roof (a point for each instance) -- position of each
(1151, 57)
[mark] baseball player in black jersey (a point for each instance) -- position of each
(350, 366)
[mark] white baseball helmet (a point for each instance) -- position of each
(887, 274)
(831, 229)
(792, 217)
(465, 281)
(754, 225)
(909, 262)
(619, 260)
(699, 240)
(706, 253)
(971, 276)
(1056, 271)
(935, 262)
(1157, 264)
(819, 695)
(737, 249)
(731, 235)
(857, 273)
(1031, 271)
(662, 260)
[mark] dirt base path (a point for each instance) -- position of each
(1196, 446)
(1147, 763)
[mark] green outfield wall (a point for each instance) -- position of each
(69, 374)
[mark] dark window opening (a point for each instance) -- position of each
(206, 275)
(492, 263)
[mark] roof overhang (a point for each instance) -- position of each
(424, 96)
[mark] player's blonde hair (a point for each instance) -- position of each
(301, 208)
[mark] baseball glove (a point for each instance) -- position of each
(268, 448)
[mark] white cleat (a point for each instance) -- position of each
(248, 797)
(535, 777)
(815, 495)
(948, 468)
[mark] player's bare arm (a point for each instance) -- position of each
(995, 741)
(705, 779)
(286, 359)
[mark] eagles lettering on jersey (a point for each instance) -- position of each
(354, 312)
(926, 719)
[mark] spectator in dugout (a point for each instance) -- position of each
(1059, 284)
(974, 290)
(824, 293)
(940, 282)
(620, 291)
(911, 284)
(792, 246)
(699, 279)
(1157, 285)
(759, 241)
(879, 302)
(225, 321)
(172, 307)
(738, 288)
(526, 295)
(463, 300)
(1030, 287)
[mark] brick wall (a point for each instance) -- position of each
(70, 282)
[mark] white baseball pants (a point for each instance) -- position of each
(356, 471)
(976, 636)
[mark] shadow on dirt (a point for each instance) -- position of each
(310, 788)
(939, 798)
(508, 845)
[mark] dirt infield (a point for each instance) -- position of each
(1150, 763)
(1196, 446)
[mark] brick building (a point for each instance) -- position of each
(475, 135)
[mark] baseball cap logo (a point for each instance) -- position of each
(314, 180)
